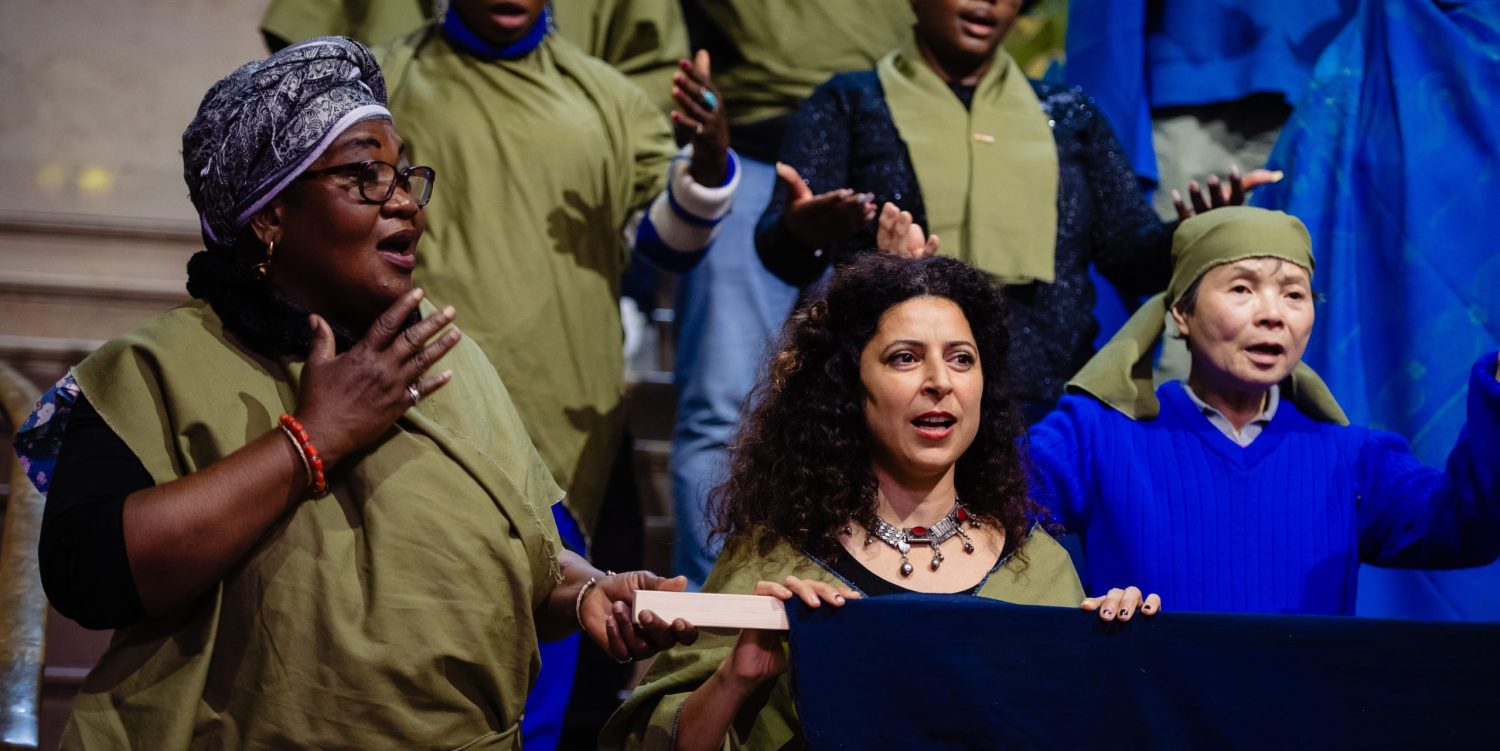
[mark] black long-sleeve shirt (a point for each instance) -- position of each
(82, 550)
(844, 137)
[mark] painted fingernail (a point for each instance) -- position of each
(1124, 613)
(838, 599)
(1106, 613)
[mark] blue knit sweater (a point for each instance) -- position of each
(1174, 506)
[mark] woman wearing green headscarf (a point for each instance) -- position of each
(1023, 179)
(1244, 489)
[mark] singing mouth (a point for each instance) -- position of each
(934, 425)
(978, 22)
(509, 16)
(398, 249)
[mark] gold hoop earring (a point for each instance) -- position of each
(264, 267)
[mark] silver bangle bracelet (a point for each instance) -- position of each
(583, 592)
(578, 602)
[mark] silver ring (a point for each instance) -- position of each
(411, 391)
(625, 661)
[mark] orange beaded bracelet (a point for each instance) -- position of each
(309, 453)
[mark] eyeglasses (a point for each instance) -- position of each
(378, 180)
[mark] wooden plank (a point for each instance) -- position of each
(709, 610)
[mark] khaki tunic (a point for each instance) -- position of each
(395, 611)
(540, 163)
(786, 48)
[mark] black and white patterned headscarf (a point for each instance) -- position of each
(262, 125)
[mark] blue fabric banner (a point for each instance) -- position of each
(1391, 161)
(952, 672)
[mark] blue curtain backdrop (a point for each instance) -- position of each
(1391, 160)
(937, 672)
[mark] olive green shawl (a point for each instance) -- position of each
(541, 162)
(1120, 373)
(396, 611)
(648, 717)
(988, 173)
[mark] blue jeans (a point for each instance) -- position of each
(729, 309)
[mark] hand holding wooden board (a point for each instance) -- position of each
(708, 610)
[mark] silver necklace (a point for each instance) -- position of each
(902, 538)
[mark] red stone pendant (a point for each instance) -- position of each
(919, 531)
(963, 515)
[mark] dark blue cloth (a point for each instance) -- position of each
(949, 672)
(1391, 162)
(1174, 506)
(1140, 55)
(547, 704)
(843, 137)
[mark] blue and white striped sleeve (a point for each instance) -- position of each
(680, 225)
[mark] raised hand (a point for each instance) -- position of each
(898, 234)
(701, 111)
(817, 220)
(348, 400)
(1231, 192)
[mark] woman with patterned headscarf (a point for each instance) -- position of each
(1244, 489)
(304, 499)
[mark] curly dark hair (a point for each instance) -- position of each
(799, 468)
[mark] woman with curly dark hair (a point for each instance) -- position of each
(883, 455)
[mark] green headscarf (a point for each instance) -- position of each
(1120, 374)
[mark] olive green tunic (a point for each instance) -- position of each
(786, 48)
(643, 39)
(395, 611)
(648, 717)
(540, 163)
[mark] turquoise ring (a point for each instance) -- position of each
(709, 100)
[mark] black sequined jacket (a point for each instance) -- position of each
(843, 137)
